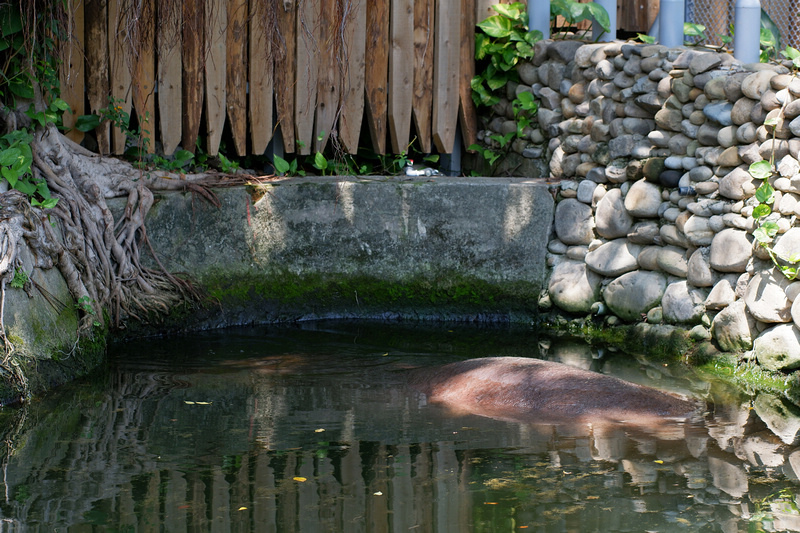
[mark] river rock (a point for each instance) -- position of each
(778, 348)
(737, 184)
(573, 222)
(766, 297)
(613, 258)
(698, 230)
(731, 249)
(683, 304)
(633, 294)
(672, 260)
(733, 328)
(781, 417)
(611, 217)
(643, 199)
(755, 85)
(573, 287)
(699, 268)
(644, 232)
(722, 294)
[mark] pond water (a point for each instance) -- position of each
(313, 429)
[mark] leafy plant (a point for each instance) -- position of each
(84, 304)
(573, 13)
(177, 163)
(20, 278)
(503, 42)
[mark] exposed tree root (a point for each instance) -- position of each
(97, 254)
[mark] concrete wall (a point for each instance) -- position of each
(654, 218)
(464, 248)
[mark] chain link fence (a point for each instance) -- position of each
(717, 17)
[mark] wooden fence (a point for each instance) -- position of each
(312, 69)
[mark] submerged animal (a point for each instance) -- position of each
(537, 391)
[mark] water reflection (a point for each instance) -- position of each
(315, 431)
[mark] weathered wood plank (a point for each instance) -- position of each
(97, 89)
(120, 72)
(262, 26)
(236, 81)
(377, 71)
(467, 114)
(305, 94)
(170, 71)
(193, 58)
(144, 77)
(355, 40)
(329, 81)
(423, 71)
(284, 46)
(72, 72)
(446, 74)
(215, 64)
(401, 73)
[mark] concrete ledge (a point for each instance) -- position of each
(301, 248)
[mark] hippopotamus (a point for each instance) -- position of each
(545, 392)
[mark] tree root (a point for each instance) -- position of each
(98, 256)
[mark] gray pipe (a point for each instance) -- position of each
(747, 31)
(539, 16)
(671, 17)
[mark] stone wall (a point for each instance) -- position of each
(650, 149)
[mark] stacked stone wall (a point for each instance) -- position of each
(650, 149)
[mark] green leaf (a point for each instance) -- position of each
(320, 162)
(599, 13)
(281, 165)
(692, 29)
(9, 156)
(524, 50)
(10, 176)
(511, 11)
(25, 187)
(760, 170)
(496, 26)
(527, 101)
(761, 210)
(482, 43)
(182, 158)
(765, 194)
(771, 121)
(762, 236)
(497, 82)
(21, 87)
(86, 123)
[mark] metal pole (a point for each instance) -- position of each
(671, 17)
(598, 34)
(747, 31)
(539, 16)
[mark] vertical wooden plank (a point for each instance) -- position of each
(446, 74)
(97, 89)
(423, 71)
(355, 40)
(377, 71)
(144, 77)
(401, 73)
(169, 75)
(467, 114)
(329, 78)
(305, 94)
(72, 81)
(236, 81)
(284, 46)
(262, 26)
(119, 58)
(216, 24)
(193, 57)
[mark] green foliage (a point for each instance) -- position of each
(770, 38)
(793, 55)
(20, 278)
(574, 13)
(85, 304)
(503, 41)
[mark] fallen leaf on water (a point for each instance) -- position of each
(489, 503)
(187, 402)
(593, 497)
(379, 493)
(299, 478)
(203, 403)
(320, 430)
(659, 461)
(242, 508)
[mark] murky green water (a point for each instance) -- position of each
(313, 429)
